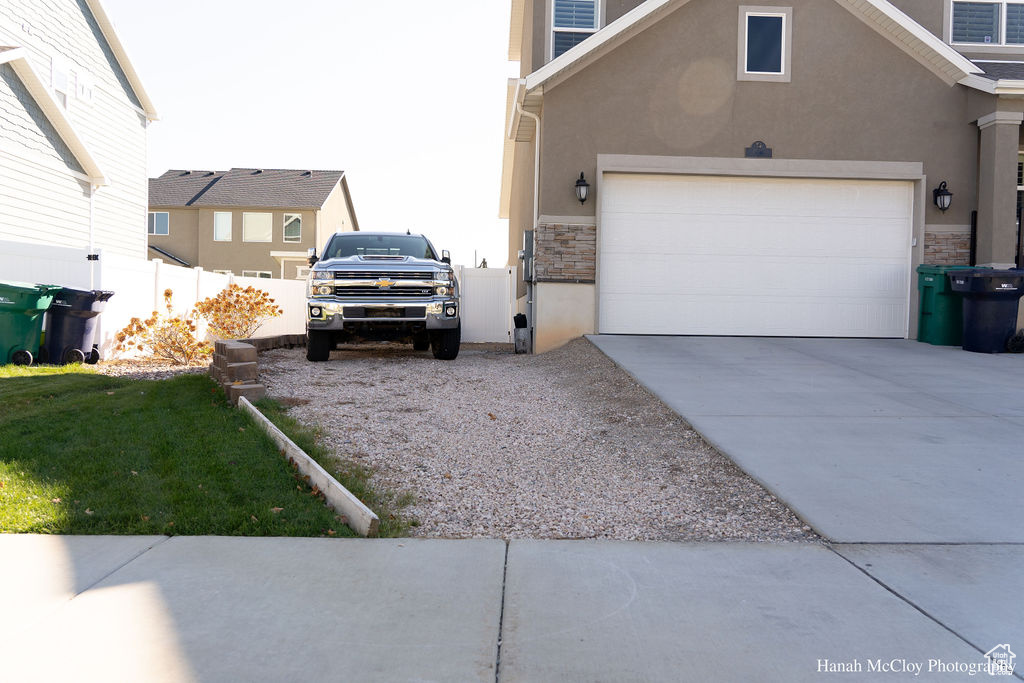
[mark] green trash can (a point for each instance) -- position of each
(21, 320)
(940, 318)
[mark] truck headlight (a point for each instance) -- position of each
(322, 290)
(444, 276)
(442, 291)
(323, 275)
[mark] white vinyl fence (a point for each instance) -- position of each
(139, 285)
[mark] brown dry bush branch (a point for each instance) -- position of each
(167, 336)
(236, 313)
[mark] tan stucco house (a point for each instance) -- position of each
(247, 221)
(757, 169)
(73, 127)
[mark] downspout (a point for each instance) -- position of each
(532, 307)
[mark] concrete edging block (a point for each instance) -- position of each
(361, 518)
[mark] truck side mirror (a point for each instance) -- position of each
(446, 257)
(311, 258)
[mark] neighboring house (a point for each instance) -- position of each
(757, 169)
(73, 119)
(247, 221)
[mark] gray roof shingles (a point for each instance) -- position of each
(244, 187)
(1013, 71)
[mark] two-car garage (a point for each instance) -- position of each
(743, 255)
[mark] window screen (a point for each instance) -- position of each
(159, 223)
(764, 44)
(257, 227)
(575, 14)
(1015, 24)
(566, 41)
(976, 22)
(292, 227)
(222, 226)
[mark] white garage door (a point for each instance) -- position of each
(754, 256)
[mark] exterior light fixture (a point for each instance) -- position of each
(942, 197)
(582, 188)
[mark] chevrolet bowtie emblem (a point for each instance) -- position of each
(384, 283)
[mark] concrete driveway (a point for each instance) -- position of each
(870, 441)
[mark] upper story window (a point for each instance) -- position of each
(60, 79)
(292, 227)
(765, 37)
(222, 226)
(257, 227)
(159, 223)
(988, 22)
(572, 22)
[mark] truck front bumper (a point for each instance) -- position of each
(335, 315)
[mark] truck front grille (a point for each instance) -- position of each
(362, 312)
(391, 292)
(380, 274)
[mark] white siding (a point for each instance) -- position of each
(112, 126)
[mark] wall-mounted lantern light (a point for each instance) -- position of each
(582, 188)
(942, 197)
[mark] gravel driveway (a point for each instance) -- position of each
(560, 445)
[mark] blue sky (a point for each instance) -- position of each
(407, 97)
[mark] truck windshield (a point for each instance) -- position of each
(354, 244)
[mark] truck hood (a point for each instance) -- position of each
(379, 263)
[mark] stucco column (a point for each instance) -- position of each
(997, 189)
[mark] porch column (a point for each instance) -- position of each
(997, 189)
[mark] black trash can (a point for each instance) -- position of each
(990, 306)
(71, 326)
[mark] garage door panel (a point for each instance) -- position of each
(688, 255)
(740, 315)
(753, 197)
(794, 275)
(869, 238)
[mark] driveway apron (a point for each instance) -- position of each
(870, 441)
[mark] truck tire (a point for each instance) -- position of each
(318, 345)
(445, 343)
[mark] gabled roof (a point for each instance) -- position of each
(181, 188)
(54, 112)
(880, 15)
(107, 28)
(244, 188)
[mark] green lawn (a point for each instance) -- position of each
(82, 453)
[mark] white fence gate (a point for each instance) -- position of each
(487, 304)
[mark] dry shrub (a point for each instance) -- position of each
(237, 313)
(167, 336)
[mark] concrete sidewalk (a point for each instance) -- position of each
(870, 441)
(289, 609)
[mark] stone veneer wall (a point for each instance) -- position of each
(565, 253)
(947, 248)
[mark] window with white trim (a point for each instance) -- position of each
(159, 223)
(224, 272)
(292, 227)
(222, 226)
(257, 227)
(301, 272)
(988, 22)
(60, 79)
(265, 274)
(572, 22)
(765, 37)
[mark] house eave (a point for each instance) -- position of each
(1004, 87)
(107, 29)
(54, 112)
(893, 24)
